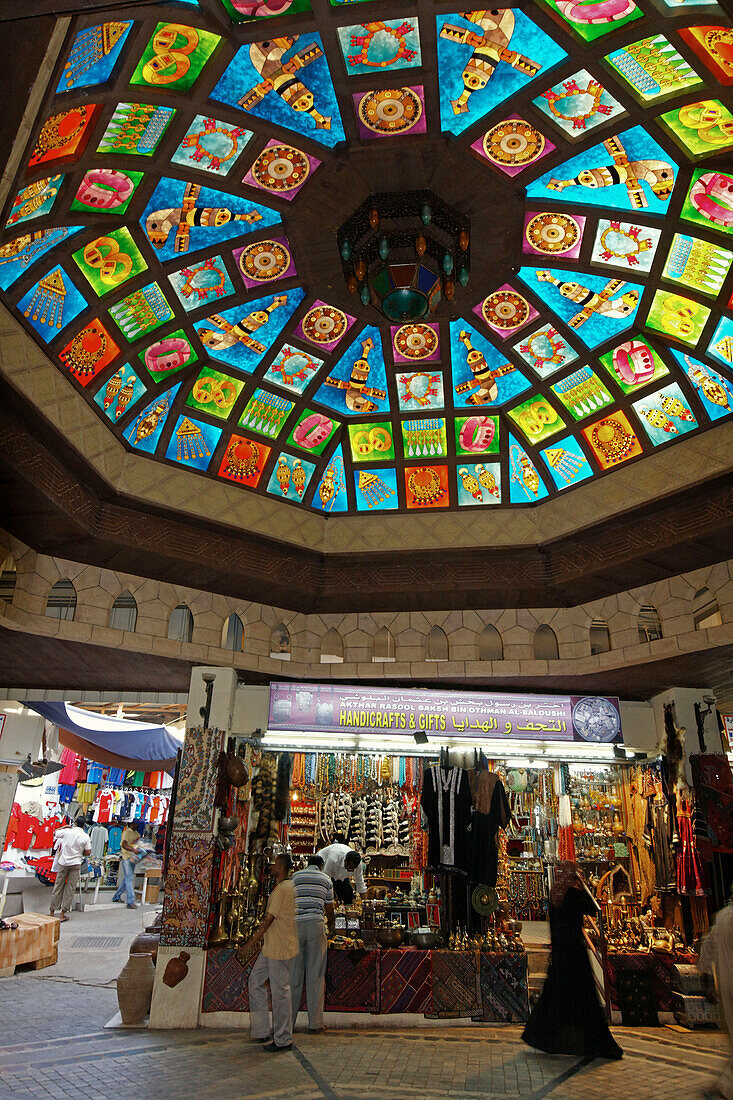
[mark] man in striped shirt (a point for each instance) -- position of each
(313, 892)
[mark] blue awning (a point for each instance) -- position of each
(118, 742)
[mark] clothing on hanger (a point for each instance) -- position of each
(446, 812)
(114, 839)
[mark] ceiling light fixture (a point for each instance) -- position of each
(402, 251)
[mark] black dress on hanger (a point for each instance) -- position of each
(446, 810)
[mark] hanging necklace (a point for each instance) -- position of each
(298, 779)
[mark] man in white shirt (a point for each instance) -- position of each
(72, 844)
(341, 862)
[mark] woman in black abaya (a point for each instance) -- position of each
(568, 1018)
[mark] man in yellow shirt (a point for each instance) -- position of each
(279, 945)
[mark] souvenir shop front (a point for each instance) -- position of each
(505, 786)
(110, 772)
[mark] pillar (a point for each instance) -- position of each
(180, 971)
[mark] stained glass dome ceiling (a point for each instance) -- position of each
(171, 242)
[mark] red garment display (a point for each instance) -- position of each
(689, 868)
(105, 808)
(67, 775)
(27, 824)
(15, 814)
(45, 832)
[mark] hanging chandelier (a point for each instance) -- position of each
(403, 251)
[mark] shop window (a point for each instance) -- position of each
(232, 635)
(180, 624)
(705, 609)
(545, 644)
(384, 647)
(332, 648)
(437, 647)
(600, 637)
(8, 577)
(490, 647)
(61, 603)
(280, 642)
(650, 625)
(123, 615)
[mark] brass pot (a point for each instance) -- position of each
(389, 937)
(425, 940)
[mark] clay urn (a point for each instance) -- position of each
(135, 988)
(145, 943)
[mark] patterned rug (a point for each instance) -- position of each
(456, 992)
(352, 981)
(503, 988)
(225, 981)
(405, 981)
(187, 888)
(661, 968)
(197, 781)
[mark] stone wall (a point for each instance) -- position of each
(97, 588)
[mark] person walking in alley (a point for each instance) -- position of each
(130, 856)
(313, 908)
(72, 845)
(279, 942)
(716, 964)
(568, 1018)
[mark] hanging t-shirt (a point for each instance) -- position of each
(67, 775)
(104, 806)
(116, 776)
(66, 792)
(44, 833)
(81, 771)
(94, 774)
(27, 825)
(114, 839)
(15, 814)
(85, 793)
(99, 839)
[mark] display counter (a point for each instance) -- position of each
(437, 984)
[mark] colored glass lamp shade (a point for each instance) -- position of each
(405, 292)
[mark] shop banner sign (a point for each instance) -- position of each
(333, 708)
